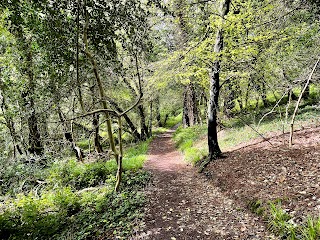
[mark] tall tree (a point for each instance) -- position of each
(214, 149)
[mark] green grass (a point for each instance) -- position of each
(238, 132)
(74, 200)
(135, 156)
(193, 142)
(186, 138)
(282, 223)
(173, 120)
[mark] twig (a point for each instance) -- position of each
(272, 110)
(260, 134)
(299, 100)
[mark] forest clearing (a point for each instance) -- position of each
(176, 119)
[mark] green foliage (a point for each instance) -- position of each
(185, 139)
(173, 120)
(84, 144)
(256, 206)
(76, 200)
(135, 156)
(19, 175)
(311, 230)
(80, 175)
(281, 223)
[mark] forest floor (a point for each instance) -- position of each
(271, 171)
(183, 204)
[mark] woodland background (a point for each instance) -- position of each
(85, 84)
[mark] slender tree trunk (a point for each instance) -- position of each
(150, 118)
(299, 100)
(158, 115)
(190, 107)
(95, 125)
(117, 155)
(165, 119)
(69, 135)
(144, 128)
(247, 95)
(264, 94)
(119, 170)
(214, 149)
(132, 127)
(95, 122)
(77, 60)
(185, 115)
(35, 144)
(11, 126)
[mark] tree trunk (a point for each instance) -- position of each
(116, 154)
(69, 135)
(150, 119)
(214, 149)
(246, 99)
(10, 125)
(264, 94)
(95, 125)
(132, 127)
(77, 60)
(35, 144)
(158, 115)
(95, 122)
(190, 107)
(144, 128)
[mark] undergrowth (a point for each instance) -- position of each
(281, 223)
(186, 138)
(192, 141)
(173, 120)
(72, 200)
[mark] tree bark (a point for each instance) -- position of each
(95, 122)
(132, 127)
(35, 144)
(77, 59)
(11, 126)
(150, 119)
(158, 115)
(95, 125)
(144, 129)
(214, 149)
(190, 107)
(299, 100)
(264, 94)
(69, 135)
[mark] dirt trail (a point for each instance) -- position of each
(183, 205)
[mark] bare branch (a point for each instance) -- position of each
(299, 100)
(272, 110)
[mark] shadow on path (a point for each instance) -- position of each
(183, 205)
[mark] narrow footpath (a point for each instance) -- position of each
(182, 204)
